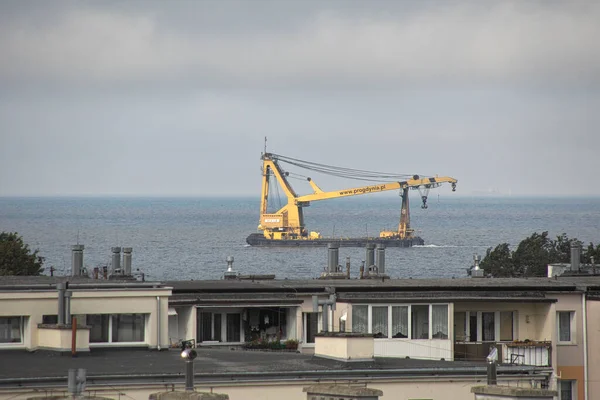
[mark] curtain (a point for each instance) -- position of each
(380, 322)
(564, 327)
(400, 321)
(360, 319)
(506, 326)
(439, 321)
(128, 328)
(489, 326)
(420, 322)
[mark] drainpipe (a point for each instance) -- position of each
(158, 322)
(585, 347)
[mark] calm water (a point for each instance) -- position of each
(189, 238)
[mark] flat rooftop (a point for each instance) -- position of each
(119, 365)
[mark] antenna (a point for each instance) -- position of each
(77, 235)
(265, 145)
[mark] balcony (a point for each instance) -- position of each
(517, 352)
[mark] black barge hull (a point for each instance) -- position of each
(259, 240)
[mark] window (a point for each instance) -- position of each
(565, 326)
(399, 321)
(566, 390)
(234, 322)
(217, 328)
(439, 321)
(420, 322)
(204, 326)
(380, 322)
(117, 328)
(311, 326)
(50, 319)
(488, 320)
(360, 319)
(128, 328)
(99, 327)
(11, 329)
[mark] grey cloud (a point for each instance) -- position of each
(504, 43)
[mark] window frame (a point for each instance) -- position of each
(409, 311)
(112, 343)
(21, 341)
(478, 315)
(572, 328)
(573, 386)
(305, 343)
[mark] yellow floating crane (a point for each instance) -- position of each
(286, 226)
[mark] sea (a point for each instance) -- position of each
(191, 238)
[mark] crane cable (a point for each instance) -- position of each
(349, 173)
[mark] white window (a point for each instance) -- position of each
(118, 328)
(11, 330)
(419, 321)
(567, 390)
(222, 326)
(566, 327)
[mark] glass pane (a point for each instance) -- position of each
(439, 321)
(50, 319)
(99, 328)
(204, 326)
(400, 321)
(420, 322)
(489, 326)
(360, 319)
(460, 326)
(472, 327)
(128, 328)
(312, 326)
(234, 328)
(380, 322)
(506, 325)
(10, 329)
(564, 320)
(566, 390)
(217, 328)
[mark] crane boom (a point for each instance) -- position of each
(288, 221)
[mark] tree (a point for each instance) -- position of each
(533, 255)
(499, 263)
(16, 258)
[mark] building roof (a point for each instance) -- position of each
(135, 366)
(76, 282)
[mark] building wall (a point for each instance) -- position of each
(570, 355)
(393, 389)
(35, 304)
(593, 342)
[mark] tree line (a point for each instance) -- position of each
(533, 254)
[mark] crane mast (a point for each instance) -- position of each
(288, 222)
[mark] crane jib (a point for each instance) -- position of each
(367, 189)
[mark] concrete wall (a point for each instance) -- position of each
(345, 348)
(34, 304)
(570, 354)
(61, 339)
(437, 388)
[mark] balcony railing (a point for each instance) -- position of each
(520, 353)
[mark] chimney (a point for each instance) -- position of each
(96, 272)
(370, 260)
(380, 258)
(116, 260)
(61, 287)
(127, 260)
(105, 272)
(575, 256)
(332, 257)
(230, 273)
(76, 259)
(362, 271)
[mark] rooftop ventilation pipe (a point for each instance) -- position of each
(127, 260)
(575, 256)
(61, 287)
(332, 257)
(67, 312)
(347, 267)
(380, 258)
(116, 260)
(230, 273)
(370, 260)
(76, 259)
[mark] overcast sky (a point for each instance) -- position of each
(175, 98)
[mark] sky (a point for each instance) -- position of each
(175, 98)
